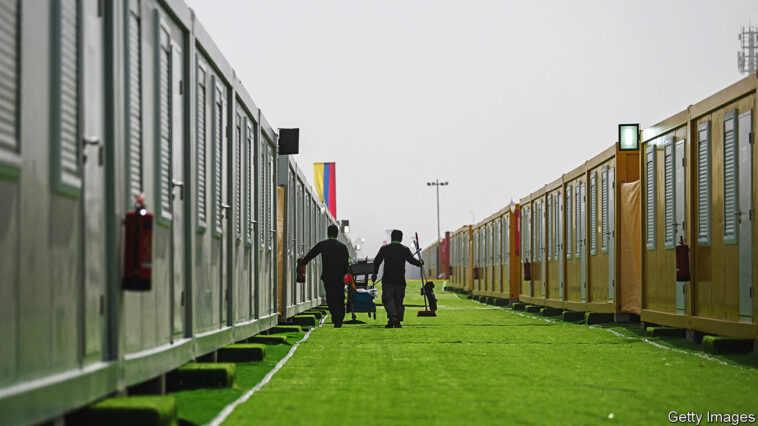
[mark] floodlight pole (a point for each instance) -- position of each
(437, 184)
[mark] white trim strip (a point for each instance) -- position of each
(230, 408)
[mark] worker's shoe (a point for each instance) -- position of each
(397, 325)
(390, 324)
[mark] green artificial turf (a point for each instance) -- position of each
(200, 406)
(475, 364)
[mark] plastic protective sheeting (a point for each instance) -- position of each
(630, 249)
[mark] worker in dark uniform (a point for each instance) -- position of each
(394, 256)
(334, 266)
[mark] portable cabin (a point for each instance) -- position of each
(699, 189)
(429, 255)
(529, 239)
(151, 107)
(477, 240)
(461, 257)
(573, 226)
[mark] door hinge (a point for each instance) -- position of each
(683, 164)
(99, 8)
(181, 87)
(750, 137)
(182, 299)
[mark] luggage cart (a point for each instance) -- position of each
(361, 299)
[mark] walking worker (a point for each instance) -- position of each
(334, 266)
(394, 256)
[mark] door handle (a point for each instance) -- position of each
(180, 185)
(224, 208)
(87, 141)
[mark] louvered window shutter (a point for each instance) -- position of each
(578, 216)
(650, 196)
(249, 180)
(704, 184)
(9, 60)
(202, 184)
(218, 143)
(604, 209)
(134, 98)
(569, 220)
(549, 228)
(261, 191)
(238, 177)
(668, 188)
(593, 213)
(557, 225)
(163, 122)
(730, 177)
(66, 93)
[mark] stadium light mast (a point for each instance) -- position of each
(437, 184)
(747, 57)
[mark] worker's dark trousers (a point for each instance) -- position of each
(392, 299)
(335, 299)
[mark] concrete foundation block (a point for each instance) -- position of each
(305, 320)
(666, 332)
(727, 345)
(132, 410)
(622, 318)
(518, 306)
(201, 375)
(598, 318)
(550, 312)
(572, 316)
(242, 352)
(533, 309)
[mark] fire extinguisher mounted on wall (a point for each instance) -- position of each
(138, 248)
(682, 261)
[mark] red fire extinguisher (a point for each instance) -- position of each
(138, 248)
(682, 261)
(527, 271)
(300, 271)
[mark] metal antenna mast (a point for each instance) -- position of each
(747, 58)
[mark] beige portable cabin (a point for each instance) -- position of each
(429, 255)
(498, 255)
(462, 258)
(699, 188)
(571, 232)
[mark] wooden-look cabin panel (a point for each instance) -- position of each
(573, 284)
(660, 264)
(716, 265)
(598, 263)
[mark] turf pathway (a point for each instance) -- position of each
(478, 364)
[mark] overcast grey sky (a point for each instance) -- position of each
(496, 97)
